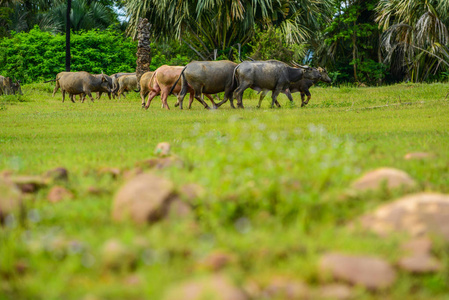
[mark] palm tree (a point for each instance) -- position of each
(416, 36)
(206, 25)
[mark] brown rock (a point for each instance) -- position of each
(179, 209)
(57, 174)
(212, 288)
(216, 261)
(10, 200)
(335, 292)
(282, 288)
(418, 246)
(392, 178)
(370, 272)
(95, 190)
(28, 184)
(58, 193)
(417, 155)
(417, 214)
(162, 149)
(145, 198)
(420, 263)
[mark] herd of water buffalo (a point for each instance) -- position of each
(9, 86)
(197, 78)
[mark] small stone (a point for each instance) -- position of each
(418, 246)
(417, 155)
(370, 272)
(417, 214)
(392, 178)
(94, 190)
(216, 261)
(178, 209)
(10, 200)
(162, 149)
(145, 198)
(211, 288)
(28, 184)
(57, 174)
(335, 292)
(420, 263)
(59, 193)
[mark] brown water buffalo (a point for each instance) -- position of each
(302, 86)
(144, 86)
(115, 78)
(5, 85)
(208, 77)
(83, 83)
(126, 83)
(164, 81)
(15, 87)
(269, 75)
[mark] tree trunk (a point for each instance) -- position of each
(354, 52)
(67, 36)
(143, 48)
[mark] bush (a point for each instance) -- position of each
(39, 55)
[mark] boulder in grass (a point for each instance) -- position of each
(216, 261)
(59, 193)
(369, 272)
(145, 198)
(391, 178)
(334, 291)
(417, 214)
(211, 288)
(10, 200)
(162, 149)
(420, 263)
(287, 289)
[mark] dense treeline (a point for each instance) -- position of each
(369, 41)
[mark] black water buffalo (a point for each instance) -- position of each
(208, 77)
(302, 86)
(271, 75)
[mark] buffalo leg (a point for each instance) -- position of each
(198, 96)
(238, 94)
(304, 103)
(56, 88)
(63, 96)
(212, 100)
(190, 100)
(164, 96)
(274, 96)
(264, 93)
(151, 96)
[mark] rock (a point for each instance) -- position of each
(370, 272)
(420, 263)
(10, 200)
(58, 193)
(95, 190)
(392, 178)
(211, 288)
(216, 261)
(160, 163)
(191, 192)
(117, 257)
(145, 198)
(57, 174)
(417, 155)
(334, 292)
(417, 214)
(28, 184)
(286, 289)
(162, 149)
(418, 246)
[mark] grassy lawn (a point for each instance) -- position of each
(276, 188)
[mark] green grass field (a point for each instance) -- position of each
(276, 188)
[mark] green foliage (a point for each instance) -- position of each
(39, 55)
(271, 44)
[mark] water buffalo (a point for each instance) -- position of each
(144, 86)
(15, 87)
(302, 86)
(126, 83)
(269, 75)
(83, 83)
(115, 78)
(109, 79)
(5, 85)
(208, 77)
(165, 80)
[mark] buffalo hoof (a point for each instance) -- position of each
(176, 104)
